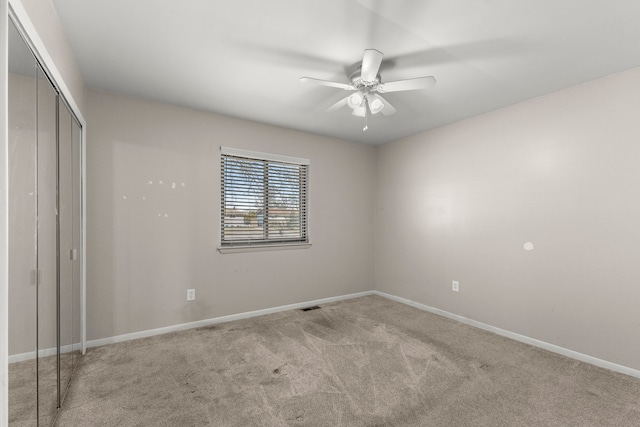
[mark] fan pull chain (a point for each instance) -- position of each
(366, 116)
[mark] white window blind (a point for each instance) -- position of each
(263, 199)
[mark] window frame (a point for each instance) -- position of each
(264, 244)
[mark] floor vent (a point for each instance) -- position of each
(314, 307)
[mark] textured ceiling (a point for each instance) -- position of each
(244, 58)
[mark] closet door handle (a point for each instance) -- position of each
(35, 277)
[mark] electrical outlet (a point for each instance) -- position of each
(455, 286)
(191, 294)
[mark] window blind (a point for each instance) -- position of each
(263, 199)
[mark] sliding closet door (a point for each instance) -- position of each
(70, 240)
(47, 299)
(45, 239)
(23, 379)
(76, 297)
(66, 205)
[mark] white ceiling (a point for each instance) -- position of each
(243, 58)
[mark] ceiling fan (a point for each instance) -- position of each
(367, 87)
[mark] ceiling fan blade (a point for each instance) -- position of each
(387, 109)
(344, 86)
(338, 104)
(371, 61)
(409, 84)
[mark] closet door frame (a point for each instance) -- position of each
(14, 10)
(4, 215)
(18, 14)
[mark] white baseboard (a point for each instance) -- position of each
(46, 352)
(517, 337)
(222, 319)
(508, 334)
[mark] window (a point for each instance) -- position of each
(263, 199)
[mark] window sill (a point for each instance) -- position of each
(262, 248)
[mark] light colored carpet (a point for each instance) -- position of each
(24, 394)
(362, 362)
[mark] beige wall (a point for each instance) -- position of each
(561, 172)
(154, 218)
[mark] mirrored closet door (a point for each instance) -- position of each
(69, 242)
(23, 234)
(44, 240)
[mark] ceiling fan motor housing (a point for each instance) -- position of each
(359, 83)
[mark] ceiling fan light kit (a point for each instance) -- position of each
(355, 100)
(365, 81)
(360, 111)
(376, 105)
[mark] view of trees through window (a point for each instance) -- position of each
(262, 201)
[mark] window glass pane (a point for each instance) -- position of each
(284, 201)
(263, 201)
(244, 199)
